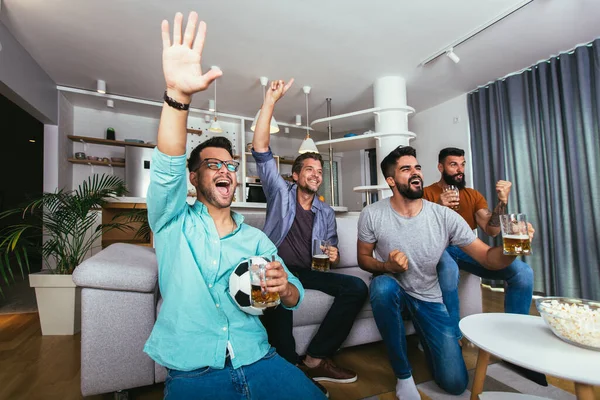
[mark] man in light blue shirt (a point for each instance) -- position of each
(210, 347)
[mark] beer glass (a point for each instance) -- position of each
(260, 297)
(320, 255)
(452, 188)
(515, 235)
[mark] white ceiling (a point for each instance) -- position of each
(339, 47)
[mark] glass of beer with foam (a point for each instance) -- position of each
(261, 298)
(515, 235)
(320, 255)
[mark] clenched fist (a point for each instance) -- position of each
(503, 190)
(397, 261)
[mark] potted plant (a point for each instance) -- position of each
(68, 222)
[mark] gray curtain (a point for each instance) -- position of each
(540, 130)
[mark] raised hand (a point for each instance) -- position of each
(503, 190)
(397, 261)
(182, 57)
(277, 90)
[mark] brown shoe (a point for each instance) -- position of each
(328, 371)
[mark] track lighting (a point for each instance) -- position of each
(452, 55)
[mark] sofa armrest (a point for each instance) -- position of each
(120, 266)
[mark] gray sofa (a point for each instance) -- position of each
(120, 301)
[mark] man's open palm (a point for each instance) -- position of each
(181, 58)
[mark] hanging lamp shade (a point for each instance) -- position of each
(273, 128)
(215, 126)
(308, 146)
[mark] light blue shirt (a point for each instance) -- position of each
(281, 204)
(198, 321)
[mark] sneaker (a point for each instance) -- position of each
(328, 371)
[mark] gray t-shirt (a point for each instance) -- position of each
(423, 238)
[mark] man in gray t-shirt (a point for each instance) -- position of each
(400, 240)
(422, 238)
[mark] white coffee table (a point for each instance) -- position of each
(527, 341)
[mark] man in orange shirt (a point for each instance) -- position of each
(472, 206)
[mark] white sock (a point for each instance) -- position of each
(407, 390)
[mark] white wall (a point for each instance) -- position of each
(24, 82)
(51, 154)
(65, 127)
(445, 125)
(352, 175)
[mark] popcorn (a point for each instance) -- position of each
(576, 321)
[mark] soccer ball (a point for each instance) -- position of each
(239, 286)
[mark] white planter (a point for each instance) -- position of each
(59, 303)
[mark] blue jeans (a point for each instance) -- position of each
(518, 277)
(269, 378)
(432, 323)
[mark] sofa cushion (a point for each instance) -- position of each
(347, 227)
(120, 266)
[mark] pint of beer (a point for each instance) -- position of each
(261, 298)
(320, 255)
(515, 236)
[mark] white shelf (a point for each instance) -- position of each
(355, 120)
(369, 189)
(358, 142)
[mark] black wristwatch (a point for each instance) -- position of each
(175, 104)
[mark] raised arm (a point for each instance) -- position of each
(183, 77)
(488, 220)
(262, 136)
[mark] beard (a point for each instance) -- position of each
(460, 183)
(408, 191)
(306, 189)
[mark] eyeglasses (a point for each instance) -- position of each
(216, 164)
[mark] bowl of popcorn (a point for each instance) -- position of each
(575, 321)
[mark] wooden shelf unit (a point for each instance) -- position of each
(94, 162)
(121, 143)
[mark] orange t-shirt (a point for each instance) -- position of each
(470, 201)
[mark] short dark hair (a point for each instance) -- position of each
(216, 141)
(299, 161)
(450, 151)
(388, 164)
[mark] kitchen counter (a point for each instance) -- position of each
(234, 205)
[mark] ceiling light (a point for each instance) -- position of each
(215, 126)
(31, 141)
(101, 86)
(308, 145)
(298, 119)
(452, 55)
(110, 103)
(273, 127)
(211, 105)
